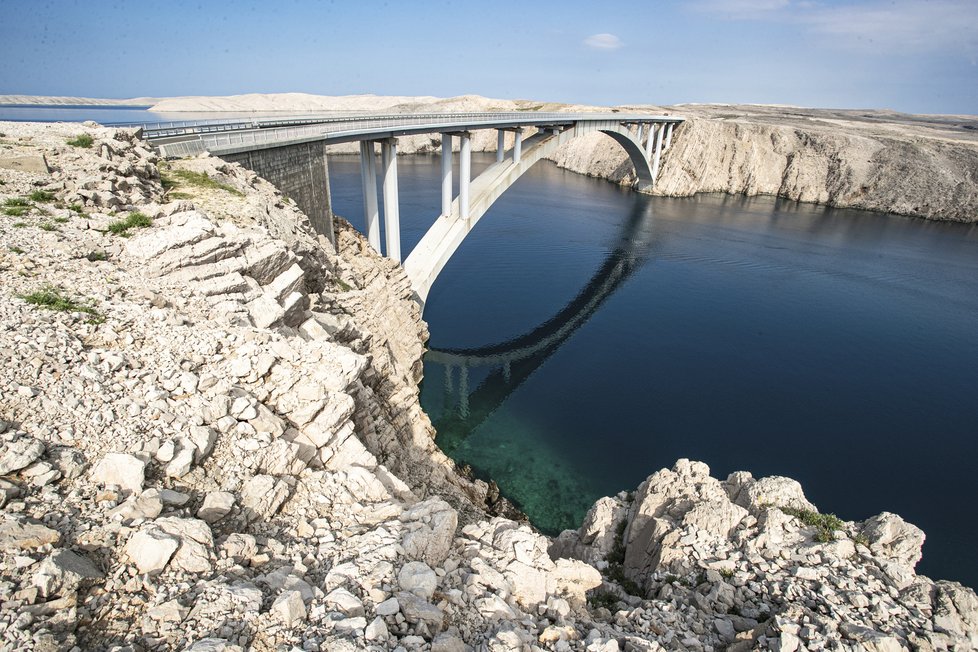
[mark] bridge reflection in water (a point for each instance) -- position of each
(477, 381)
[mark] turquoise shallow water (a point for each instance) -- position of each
(835, 347)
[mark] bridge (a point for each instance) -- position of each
(290, 152)
(503, 367)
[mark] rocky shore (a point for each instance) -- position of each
(210, 439)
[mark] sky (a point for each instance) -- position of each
(916, 56)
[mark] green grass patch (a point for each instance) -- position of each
(201, 180)
(47, 226)
(42, 195)
(20, 225)
(16, 211)
(76, 208)
(96, 256)
(61, 220)
(180, 195)
(82, 140)
(50, 297)
(133, 220)
(15, 249)
(16, 201)
(825, 524)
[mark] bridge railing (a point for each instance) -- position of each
(223, 136)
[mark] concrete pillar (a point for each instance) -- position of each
(641, 132)
(658, 153)
(446, 175)
(653, 129)
(500, 145)
(329, 227)
(518, 147)
(668, 136)
(368, 176)
(392, 219)
(464, 174)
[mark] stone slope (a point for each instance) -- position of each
(217, 445)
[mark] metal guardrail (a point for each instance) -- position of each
(195, 137)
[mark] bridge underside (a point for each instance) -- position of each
(456, 221)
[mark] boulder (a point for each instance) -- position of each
(18, 533)
(62, 573)
(196, 543)
(289, 608)
(418, 578)
(19, 453)
(263, 495)
(418, 610)
(217, 505)
(344, 602)
(151, 549)
(120, 469)
(431, 529)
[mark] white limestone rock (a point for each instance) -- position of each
(418, 610)
(217, 505)
(196, 543)
(120, 469)
(431, 529)
(344, 602)
(263, 495)
(63, 571)
(19, 533)
(418, 578)
(19, 453)
(151, 549)
(289, 608)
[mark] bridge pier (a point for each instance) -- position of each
(641, 131)
(446, 175)
(368, 176)
(658, 153)
(500, 145)
(518, 147)
(392, 219)
(668, 136)
(464, 174)
(653, 129)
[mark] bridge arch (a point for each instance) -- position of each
(448, 232)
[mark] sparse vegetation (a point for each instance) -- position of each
(20, 225)
(42, 195)
(616, 561)
(50, 297)
(95, 256)
(16, 201)
(15, 249)
(726, 573)
(605, 599)
(172, 178)
(16, 211)
(825, 524)
(76, 208)
(61, 220)
(48, 226)
(134, 220)
(82, 140)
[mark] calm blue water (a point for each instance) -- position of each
(835, 347)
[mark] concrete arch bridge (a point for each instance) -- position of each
(290, 152)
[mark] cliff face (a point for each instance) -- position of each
(896, 168)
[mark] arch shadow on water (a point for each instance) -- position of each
(507, 365)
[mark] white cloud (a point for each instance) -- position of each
(603, 42)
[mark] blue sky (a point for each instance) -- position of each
(908, 55)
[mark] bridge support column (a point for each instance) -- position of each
(368, 176)
(392, 218)
(518, 147)
(653, 129)
(658, 154)
(464, 174)
(641, 132)
(500, 145)
(668, 136)
(446, 175)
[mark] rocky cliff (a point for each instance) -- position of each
(210, 439)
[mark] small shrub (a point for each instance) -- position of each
(82, 140)
(134, 220)
(825, 524)
(861, 539)
(50, 298)
(16, 201)
(42, 195)
(61, 220)
(16, 211)
(76, 208)
(47, 226)
(95, 256)
(605, 599)
(15, 249)
(726, 573)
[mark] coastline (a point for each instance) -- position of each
(307, 508)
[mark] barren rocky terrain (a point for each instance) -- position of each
(210, 439)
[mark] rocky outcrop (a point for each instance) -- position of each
(210, 439)
(763, 569)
